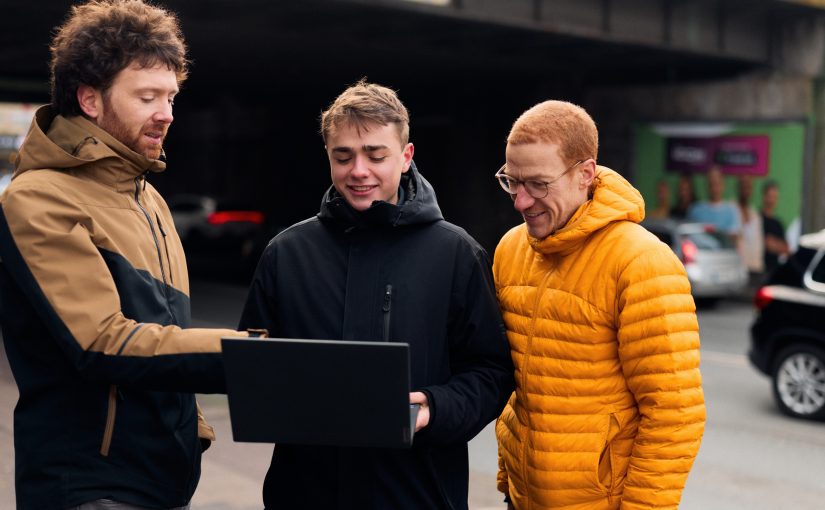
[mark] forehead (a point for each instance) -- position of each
(351, 135)
(531, 160)
(157, 78)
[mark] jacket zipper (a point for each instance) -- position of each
(387, 310)
(151, 228)
(110, 421)
(157, 245)
(539, 293)
(166, 247)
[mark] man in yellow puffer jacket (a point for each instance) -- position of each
(608, 410)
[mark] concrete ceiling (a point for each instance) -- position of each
(257, 41)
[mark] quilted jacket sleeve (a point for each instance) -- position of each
(659, 351)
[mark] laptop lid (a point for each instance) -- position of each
(319, 392)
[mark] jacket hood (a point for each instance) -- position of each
(419, 206)
(614, 199)
(58, 142)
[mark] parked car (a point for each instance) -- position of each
(713, 265)
(788, 334)
(222, 238)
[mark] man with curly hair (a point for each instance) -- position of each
(93, 282)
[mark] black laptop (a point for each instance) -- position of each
(319, 392)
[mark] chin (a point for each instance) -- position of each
(152, 153)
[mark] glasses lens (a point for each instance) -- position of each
(506, 185)
(536, 189)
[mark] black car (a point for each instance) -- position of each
(788, 335)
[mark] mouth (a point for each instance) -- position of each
(530, 216)
(155, 137)
(361, 189)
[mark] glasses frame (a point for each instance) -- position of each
(503, 179)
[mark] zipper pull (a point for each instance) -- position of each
(387, 298)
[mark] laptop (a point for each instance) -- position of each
(319, 392)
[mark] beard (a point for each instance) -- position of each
(115, 126)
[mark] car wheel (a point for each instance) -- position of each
(799, 382)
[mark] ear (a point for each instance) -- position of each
(587, 173)
(90, 101)
(409, 150)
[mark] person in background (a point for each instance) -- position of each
(608, 411)
(93, 279)
(776, 246)
(379, 263)
(721, 214)
(685, 197)
(751, 243)
(662, 209)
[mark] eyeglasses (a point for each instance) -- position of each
(536, 189)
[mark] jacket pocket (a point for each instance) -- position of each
(166, 248)
(108, 430)
(606, 472)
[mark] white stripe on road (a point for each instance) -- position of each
(724, 358)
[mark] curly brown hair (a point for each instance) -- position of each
(367, 103)
(102, 37)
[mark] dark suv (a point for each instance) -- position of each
(788, 335)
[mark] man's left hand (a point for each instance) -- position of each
(423, 419)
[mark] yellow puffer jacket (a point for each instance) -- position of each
(608, 410)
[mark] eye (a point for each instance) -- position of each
(537, 186)
(377, 159)
(171, 101)
(147, 100)
(342, 161)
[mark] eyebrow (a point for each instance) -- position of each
(366, 148)
(528, 177)
(156, 90)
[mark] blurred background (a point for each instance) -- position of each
(676, 87)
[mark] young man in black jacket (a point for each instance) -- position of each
(379, 263)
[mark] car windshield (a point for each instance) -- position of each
(710, 241)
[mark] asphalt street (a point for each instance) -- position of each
(752, 457)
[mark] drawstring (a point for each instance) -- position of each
(82, 143)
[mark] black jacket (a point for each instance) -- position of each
(390, 273)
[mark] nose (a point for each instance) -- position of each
(522, 200)
(360, 168)
(164, 114)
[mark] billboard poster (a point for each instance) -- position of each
(734, 155)
(762, 164)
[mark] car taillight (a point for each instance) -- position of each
(762, 298)
(221, 217)
(689, 251)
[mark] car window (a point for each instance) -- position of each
(710, 241)
(818, 274)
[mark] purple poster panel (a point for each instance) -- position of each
(735, 155)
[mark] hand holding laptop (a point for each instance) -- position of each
(423, 418)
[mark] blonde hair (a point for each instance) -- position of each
(560, 122)
(363, 104)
